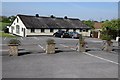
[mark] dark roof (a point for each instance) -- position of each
(48, 22)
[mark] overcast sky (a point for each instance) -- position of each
(83, 10)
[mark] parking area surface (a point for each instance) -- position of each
(66, 63)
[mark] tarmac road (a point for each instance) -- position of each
(66, 63)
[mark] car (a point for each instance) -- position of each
(66, 35)
(74, 35)
(58, 34)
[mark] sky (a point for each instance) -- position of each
(83, 10)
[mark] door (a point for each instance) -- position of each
(95, 34)
(23, 32)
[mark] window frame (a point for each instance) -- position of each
(17, 29)
(74, 30)
(51, 30)
(32, 30)
(42, 30)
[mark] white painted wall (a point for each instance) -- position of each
(47, 32)
(38, 32)
(20, 23)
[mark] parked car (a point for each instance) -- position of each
(74, 35)
(58, 34)
(66, 35)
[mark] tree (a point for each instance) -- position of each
(111, 27)
(89, 23)
(12, 18)
(5, 19)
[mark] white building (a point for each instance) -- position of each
(26, 25)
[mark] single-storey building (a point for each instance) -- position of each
(26, 25)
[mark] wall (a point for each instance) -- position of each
(14, 26)
(47, 32)
(38, 32)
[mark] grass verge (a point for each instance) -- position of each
(2, 34)
(2, 25)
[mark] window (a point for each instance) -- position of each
(84, 30)
(80, 30)
(22, 29)
(59, 29)
(74, 30)
(32, 30)
(17, 29)
(42, 30)
(51, 30)
(67, 30)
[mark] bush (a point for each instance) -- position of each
(5, 29)
(106, 37)
(14, 41)
(50, 41)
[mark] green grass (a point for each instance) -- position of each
(2, 25)
(2, 34)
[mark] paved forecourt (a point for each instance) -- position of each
(66, 63)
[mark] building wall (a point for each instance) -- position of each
(38, 32)
(47, 32)
(18, 22)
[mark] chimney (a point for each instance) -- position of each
(65, 17)
(37, 15)
(52, 16)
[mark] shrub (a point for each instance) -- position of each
(14, 41)
(5, 29)
(106, 37)
(50, 41)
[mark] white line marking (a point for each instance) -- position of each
(41, 47)
(101, 58)
(67, 46)
(94, 55)
(66, 39)
(5, 38)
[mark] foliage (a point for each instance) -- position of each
(14, 41)
(111, 28)
(113, 24)
(2, 34)
(3, 25)
(5, 29)
(89, 23)
(50, 41)
(6, 19)
(106, 37)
